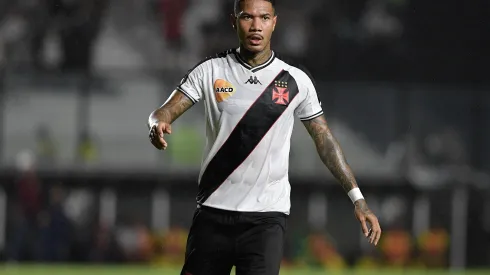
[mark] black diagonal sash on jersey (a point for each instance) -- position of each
(249, 131)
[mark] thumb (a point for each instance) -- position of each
(365, 229)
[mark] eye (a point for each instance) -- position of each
(267, 17)
(246, 17)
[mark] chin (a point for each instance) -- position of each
(254, 48)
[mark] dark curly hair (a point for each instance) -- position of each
(236, 6)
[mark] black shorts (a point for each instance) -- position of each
(253, 242)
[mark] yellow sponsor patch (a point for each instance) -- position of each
(223, 90)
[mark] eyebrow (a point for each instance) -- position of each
(246, 13)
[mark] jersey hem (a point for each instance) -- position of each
(194, 101)
(241, 211)
(312, 116)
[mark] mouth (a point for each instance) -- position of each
(255, 39)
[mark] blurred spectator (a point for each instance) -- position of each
(135, 240)
(197, 16)
(105, 248)
(433, 247)
(378, 22)
(321, 252)
(445, 147)
(46, 147)
(13, 28)
(55, 229)
(171, 247)
(40, 21)
(292, 35)
(79, 23)
(172, 12)
(28, 202)
(396, 246)
(87, 149)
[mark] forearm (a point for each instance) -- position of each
(332, 156)
(175, 106)
(330, 153)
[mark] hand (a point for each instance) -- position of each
(365, 216)
(157, 131)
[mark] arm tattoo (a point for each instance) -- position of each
(330, 152)
(177, 104)
(362, 205)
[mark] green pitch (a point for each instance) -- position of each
(142, 270)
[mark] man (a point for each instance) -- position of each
(251, 97)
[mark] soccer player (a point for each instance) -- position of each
(251, 97)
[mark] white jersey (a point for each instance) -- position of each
(249, 121)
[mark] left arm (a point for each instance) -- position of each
(330, 152)
(332, 156)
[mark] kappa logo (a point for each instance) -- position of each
(223, 90)
(280, 93)
(253, 80)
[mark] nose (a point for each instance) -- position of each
(256, 25)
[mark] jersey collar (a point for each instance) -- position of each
(247, 66)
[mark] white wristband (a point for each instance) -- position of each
(355, 195)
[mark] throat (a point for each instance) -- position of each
(255, 59)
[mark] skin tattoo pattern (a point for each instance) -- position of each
(174, 108)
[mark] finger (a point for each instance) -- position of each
(159, 131)
(153, 140)
(378, 236)
(156, 143)
(372, 235)
(365, 229)
(163, 143)
(374, 229)
(167, 129)
(159, 137)
(374, 238)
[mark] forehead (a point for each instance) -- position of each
(255, 7)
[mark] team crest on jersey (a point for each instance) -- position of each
(280, 93)
(223, 90)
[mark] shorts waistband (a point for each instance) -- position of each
(243, 213)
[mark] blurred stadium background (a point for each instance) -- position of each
(404, 84)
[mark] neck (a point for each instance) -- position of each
(255, 59)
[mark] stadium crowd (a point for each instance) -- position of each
(63, 34)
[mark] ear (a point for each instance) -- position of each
(233, 21)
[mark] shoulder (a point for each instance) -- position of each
(208, 61)
(297, 70)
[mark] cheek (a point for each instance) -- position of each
(241, 31)
(269, 30)
(243, 27)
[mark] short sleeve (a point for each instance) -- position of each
(310, 107)
(192, 83)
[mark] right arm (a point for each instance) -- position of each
(175, 106)
(160, 120)
(187, 94)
